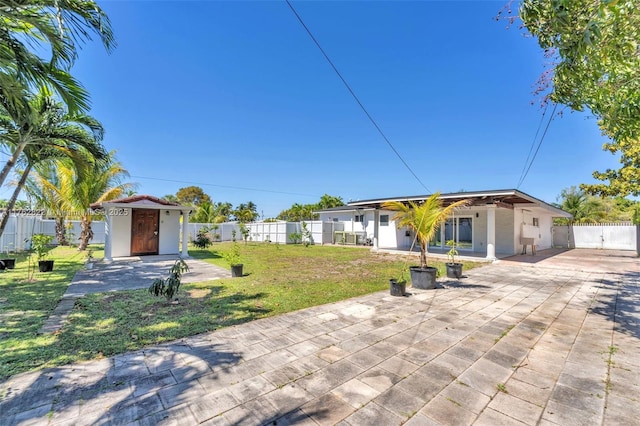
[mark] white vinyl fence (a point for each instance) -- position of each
(607, 236)
(17, 234)
(275, 232)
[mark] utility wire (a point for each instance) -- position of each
(553, 114)
(533, 143)
(356, 97)
(225, 186)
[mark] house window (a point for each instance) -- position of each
(535, 221)
(384, 220)
(335, 219)
(359, 218)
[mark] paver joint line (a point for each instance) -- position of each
(510, 344)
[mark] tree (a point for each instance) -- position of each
(60, 25)
(52, 133)
(192, 195)
(45, 188)
(299, 212)
(423, 218)
(587, 208)
(205, 213)
(596, 66)
(47, 122)
(246, 212)
(329, 201)
(103, 181)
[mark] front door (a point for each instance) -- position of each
(144, 231)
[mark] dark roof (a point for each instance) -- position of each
(136, 198)
(504, 197)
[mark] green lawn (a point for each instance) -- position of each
(278, 279)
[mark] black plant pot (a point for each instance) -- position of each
(8, 263)
(45, 265)
(397, 288)
(236, 270)
(423, 278)
(454, 270)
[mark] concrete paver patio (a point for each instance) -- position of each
(551, 341)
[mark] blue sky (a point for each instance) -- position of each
(231, 95)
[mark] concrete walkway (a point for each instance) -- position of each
(129, 273)
(512, 343)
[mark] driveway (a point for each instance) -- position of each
(552, 341)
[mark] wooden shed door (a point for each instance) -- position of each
(144, 231)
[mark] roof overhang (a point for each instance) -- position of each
(508, 198)
(142, 202)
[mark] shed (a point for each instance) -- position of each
(143, 225)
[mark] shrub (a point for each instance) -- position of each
(169, 287)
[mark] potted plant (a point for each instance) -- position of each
(424, 219)
(233, 258)
(454, 269)
(8, 262)
(40, 244)
(398, 287)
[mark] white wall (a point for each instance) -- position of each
(169, 232)
(121, 234)
(480, 231)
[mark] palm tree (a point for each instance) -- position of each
(424, 219)
(45, 188)
(100, 182)
(52, 133)
(205, 213)
(62, 25)
(47, 123)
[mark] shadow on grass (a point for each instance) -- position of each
(204, 254)
(135, 384)
(119, 390)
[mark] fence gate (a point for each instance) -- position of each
(606, 236)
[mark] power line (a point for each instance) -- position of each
(225, 186)
(553, 113)
(356, 97)
(533, 143)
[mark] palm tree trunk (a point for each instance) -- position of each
(423, 255)
(60, 231)
(11, 162)
(86, 233)
(14, 198)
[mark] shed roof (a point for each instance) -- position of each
(136, 199)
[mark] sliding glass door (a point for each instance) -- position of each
(459, 229)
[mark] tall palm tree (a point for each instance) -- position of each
(424, 219)
(101, 182)
(62, 25)
(48, 123)
(45, 189)
(55, 136)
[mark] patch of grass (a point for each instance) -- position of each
(504, 333)
(453, 401)
(27, 298)
(278, 279)
(502, 388)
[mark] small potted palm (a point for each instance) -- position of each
(41, 245)
(424, 219)
(454, 269)
(233, 258)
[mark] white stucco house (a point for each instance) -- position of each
(144, 225)
(494, 224)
